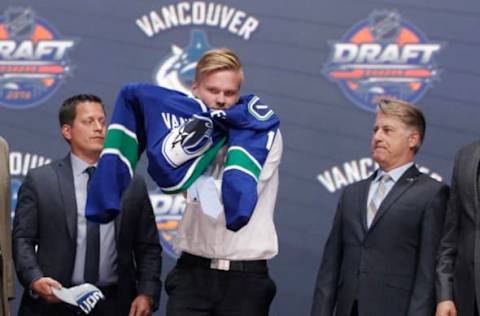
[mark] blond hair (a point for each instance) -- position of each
(216, 60)
(407, 113)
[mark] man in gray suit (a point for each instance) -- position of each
(379, 259)
(7, 290)
(458, 267)
(53, 243)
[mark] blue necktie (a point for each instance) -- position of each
(92, 255)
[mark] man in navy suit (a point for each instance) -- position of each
(53, 243)
(380, 256)
(458, 266)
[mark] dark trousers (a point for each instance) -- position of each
(2, 307)
(354, 309)
(196, 290)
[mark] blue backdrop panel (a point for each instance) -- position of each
(285, 47)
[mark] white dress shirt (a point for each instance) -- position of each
(204, 233)
(107, 274)
(394, 174)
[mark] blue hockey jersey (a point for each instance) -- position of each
(181, 137)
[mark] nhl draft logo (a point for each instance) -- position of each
(177, 71)
(384, 55)
(33, 59)
(168, 211)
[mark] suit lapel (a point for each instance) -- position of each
(405, 182)
(118, 219)
(118, 223)
(472, 173)
(67, 193)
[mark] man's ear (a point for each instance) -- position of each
(414, 139)
(195, 88)
(67, 131)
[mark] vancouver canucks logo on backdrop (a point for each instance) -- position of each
(168, 211)
(33, 58)
(177, 70)
(383, 55)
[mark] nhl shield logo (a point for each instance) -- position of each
(19, 22)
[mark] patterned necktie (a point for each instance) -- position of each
(377, 198)
(92, 255)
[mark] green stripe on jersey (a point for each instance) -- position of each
(197, 168)
(238, 158)
(124, 143)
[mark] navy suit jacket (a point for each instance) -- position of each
(389, 268)
(458, 268)
(46, 219)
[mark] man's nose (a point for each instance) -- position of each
(98, 125)
(220, 100)
(377, 135)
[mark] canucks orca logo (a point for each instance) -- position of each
(177, 71)
(168, 211)
(195, 135)
(384, 55)
(33, 59)
(187, 141)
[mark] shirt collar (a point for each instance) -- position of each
(396, 173)
(78, 165)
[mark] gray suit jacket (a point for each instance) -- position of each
(46, 218)
(458, 268)
(389, 268)
(7, 281)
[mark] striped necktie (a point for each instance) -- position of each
(377, 198)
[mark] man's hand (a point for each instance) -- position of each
(141, 306)
(446, 308)
(43, 288)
